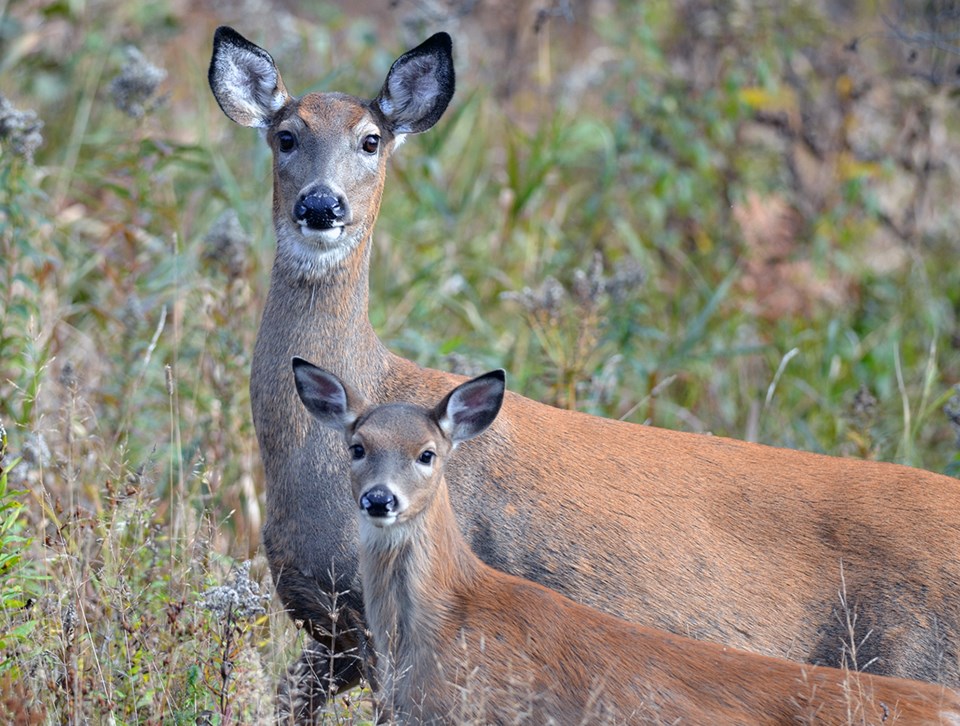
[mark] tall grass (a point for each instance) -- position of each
(711, 222)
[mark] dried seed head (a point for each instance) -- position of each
(68, 376)
(132, 315)
(547, 300)
(69, 620)
(36, 452)
(628, 276)
(227, 244)
(134, 90)
(864, 403)
(551, 296)
(239, 600)
(19, 130)
(590, 284)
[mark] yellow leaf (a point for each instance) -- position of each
(762, 99)
(849, 167)
(704, 241)
(844, 86)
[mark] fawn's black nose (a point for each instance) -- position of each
(378, 502)
(321, 210)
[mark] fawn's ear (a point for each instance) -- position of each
(418, 87)
(245, 80)
(331, 401)
(470, 408)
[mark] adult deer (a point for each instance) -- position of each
(704, 536)
(449, 630)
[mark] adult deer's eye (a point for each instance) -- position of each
(427, 457)
(371, 142)
(357, 452)
(286, 141)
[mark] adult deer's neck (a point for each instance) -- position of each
(413, 576)
(320, 315)
(321, 308)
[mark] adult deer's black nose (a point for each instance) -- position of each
(320, 210)
(378, 502)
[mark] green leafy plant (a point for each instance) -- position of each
(21, 581)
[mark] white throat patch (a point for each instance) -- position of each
(312, 254)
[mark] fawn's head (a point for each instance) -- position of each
(398, 450)
(329, 149)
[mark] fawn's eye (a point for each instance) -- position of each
(357, 452)
(371, 142)
(427, 457)
(286, 141)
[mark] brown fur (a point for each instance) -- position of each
(704, 536)
(446, 624)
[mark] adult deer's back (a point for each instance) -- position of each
(705, 536)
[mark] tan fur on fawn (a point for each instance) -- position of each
(704, 536)
(443, 621)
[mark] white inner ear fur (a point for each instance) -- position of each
(447, 422)
(411, 92)
(254, 81)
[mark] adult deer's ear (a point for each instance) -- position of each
(418, 87)
(245, 80)
(469, 409)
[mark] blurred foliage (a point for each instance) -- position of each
(731, 217)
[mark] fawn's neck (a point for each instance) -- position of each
(413, 575)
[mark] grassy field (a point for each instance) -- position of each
(739, 222)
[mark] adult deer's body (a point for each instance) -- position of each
(457, 640)
(704, 536)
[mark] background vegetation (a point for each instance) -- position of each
(734, 217)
